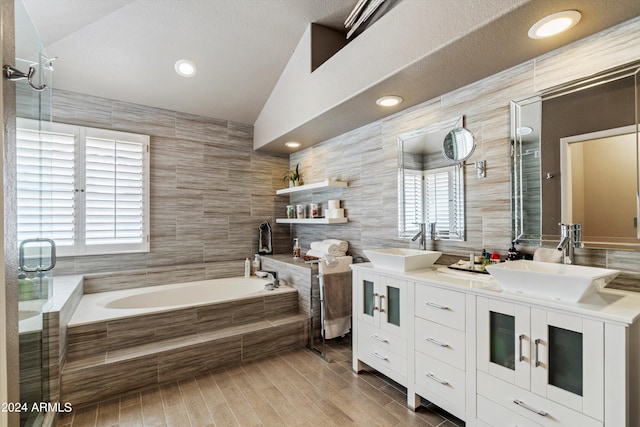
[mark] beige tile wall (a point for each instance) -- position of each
(209, 193)
(366, 157)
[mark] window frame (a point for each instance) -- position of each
(79, 207)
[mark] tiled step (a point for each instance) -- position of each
(99, 376)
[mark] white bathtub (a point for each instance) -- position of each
(154, 299)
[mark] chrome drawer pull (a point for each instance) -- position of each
(379, 356)
(433, 304)
(376, 303)
(525, 406)
(436, 379)
(520, 339)
(436, 342)
(381, 298)
(379, 338)
(537, 342)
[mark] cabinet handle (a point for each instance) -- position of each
(375, 304)
(520, 339)
(433, 304)
(382, 310)
(537, 342)
(525, 406)
(436, 379)
(379, 356)
(436, 342)
(379, 338)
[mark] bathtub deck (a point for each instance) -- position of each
(109, 358)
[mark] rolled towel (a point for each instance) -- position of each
(327, 248)
(321, 254)
(343, 246)
(547, 255)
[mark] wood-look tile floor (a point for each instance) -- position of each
(295, 388)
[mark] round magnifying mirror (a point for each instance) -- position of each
(458, 145)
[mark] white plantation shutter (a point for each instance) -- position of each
(114, 191)
(413, 202)
(443, 191)
(45, 184)
(89, 191)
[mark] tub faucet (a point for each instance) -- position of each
(267, 273)
(570, 238)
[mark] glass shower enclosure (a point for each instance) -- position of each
(36, 207)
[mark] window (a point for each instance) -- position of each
(442, 194)
(432, 196)
(412, 212)
(85, 188)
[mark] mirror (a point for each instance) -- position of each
(430, 188)
(575, 160)
(458, 145)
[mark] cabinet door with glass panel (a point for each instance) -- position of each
(382, 302)
(557, 356)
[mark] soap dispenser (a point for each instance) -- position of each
(296, 249)
(247, 268)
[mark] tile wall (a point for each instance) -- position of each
(366, 157)
(209, 193)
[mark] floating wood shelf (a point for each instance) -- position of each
(327, 183)
(312, 220)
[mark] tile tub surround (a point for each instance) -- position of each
(367, 157)
(109, 357)
(209, 191)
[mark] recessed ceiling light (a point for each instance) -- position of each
(292, 144)
(185, 68)
(554, 24)
(389, 101)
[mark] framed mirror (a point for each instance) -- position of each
(430, 187)
(575, 160)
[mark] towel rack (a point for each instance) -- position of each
(315, 284)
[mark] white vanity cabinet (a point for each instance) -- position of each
(381, 324)
(543, 365)
(494, 358)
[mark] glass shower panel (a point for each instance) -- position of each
(35, 210)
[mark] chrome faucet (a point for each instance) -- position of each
(570, 238)
(274, 277)
(422, 236)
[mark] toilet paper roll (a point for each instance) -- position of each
(334, 213)
(334, 204)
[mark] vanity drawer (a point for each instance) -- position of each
(497, 416)
(383, 360)
(440, 306)
(505, 395)
(440, 342)
(441, 384)
(382, 340)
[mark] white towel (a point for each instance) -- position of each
(547, 255)
(343, 246)
(326, 247)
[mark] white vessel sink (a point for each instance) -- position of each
(399, 259)
(548, 280)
